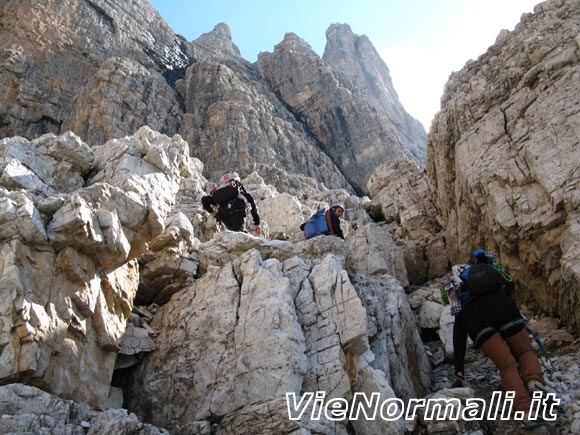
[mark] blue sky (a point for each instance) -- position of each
(421, 41)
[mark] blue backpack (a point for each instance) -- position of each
(316, 225)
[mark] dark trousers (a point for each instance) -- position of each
(235, 220)
(233, 214)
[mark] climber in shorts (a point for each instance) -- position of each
(493, 321)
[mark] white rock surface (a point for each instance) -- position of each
(265, 318)
(502, 157)
(69, 271)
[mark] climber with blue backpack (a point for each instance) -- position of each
(229, 203)
(484, 310)
(324, 222)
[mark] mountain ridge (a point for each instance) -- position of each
(79, 87)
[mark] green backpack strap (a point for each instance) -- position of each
(502, 271)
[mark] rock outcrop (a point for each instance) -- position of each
(235, 122)
(73, 223)
(88, 233)
(121, 96)
(359, 66)
(348, 128)
(403, 199)
(503, 157)
(270, 318)
(53, 54)
(29, 410)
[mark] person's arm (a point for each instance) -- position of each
(459, 346)
(335, 221)
(254, 209)
(208, 203)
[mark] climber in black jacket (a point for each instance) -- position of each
(229, 202)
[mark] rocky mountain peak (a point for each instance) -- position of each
(292, 41)
(223, 29)
(118, 66)
(351, 123)
(339, 36)
(218, 42)
(360, 67)
(340, 28)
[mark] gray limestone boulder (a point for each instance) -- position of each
(28, 410)
(402, 198)
(267, 318)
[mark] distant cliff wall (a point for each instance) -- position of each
(104, 68)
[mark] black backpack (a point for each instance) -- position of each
(226, 194)
(482, 278)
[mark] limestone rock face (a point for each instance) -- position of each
(234, 121)
(267, 318)
(233, 371)
(109, 67)
(403, 199)
(359, 66)
(391, 323)
(120, 97)
(218, 45)
(47, 165)
(168, 265)
(51, 50)
(114, 280)
(374, 252)
(69, 271)
(349, 129)
(502, 156)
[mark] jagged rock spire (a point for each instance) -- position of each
(357, 63)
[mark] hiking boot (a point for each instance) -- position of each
(536, 427)
(539, 430)
(459, 382)
(534, 385)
